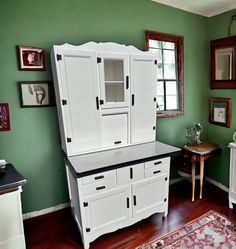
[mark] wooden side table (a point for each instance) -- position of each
(199, 153)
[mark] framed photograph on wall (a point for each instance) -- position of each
(31, 58)
(220, 111)
(36, 93)
(4, 117)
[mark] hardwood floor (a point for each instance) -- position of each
(59, 231)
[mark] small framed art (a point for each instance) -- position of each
(36, 93)
(220, 111)
(31, 58)
(4, 117)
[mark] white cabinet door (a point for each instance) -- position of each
(11, 228)
(232, 177)
(149, 196)
(107, 211)
(114, 79)
(78, 85)
(143, 104)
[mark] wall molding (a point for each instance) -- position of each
(217, 184)
(45, 211)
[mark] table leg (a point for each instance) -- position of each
(193, 179)
(201, 175)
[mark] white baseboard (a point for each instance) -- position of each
(45, 211)
(217, 184)
(208, 179)
(174, 181)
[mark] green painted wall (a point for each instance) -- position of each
(32, 145)
(218, 168)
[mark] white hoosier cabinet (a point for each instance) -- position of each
(232, 175)
(117, 173)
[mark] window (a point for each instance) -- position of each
(170, 71)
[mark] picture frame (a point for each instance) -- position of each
(36, 93)
(4, 117)
(219, 110)
(31, 58)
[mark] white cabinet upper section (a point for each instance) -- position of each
(105, 95)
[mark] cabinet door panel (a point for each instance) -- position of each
(149, 196)
(114, 130)
(113, 71)
(79, 86)
(232, 179)
(108, 211)
(143, 106)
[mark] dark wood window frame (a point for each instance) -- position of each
(179, 41)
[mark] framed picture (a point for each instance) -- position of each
(4, 117)
(31, 58)
(220, 111)
(36, 93)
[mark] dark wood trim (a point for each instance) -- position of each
(179, 41)
(228, 106)
(228, 42)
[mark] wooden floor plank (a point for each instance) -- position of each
(59, 231)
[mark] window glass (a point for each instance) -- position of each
(169, 92)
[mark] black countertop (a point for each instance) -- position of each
(10, 178)
(95, 162)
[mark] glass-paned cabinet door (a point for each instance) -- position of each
(114, 80)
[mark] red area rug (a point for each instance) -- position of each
(211, 230)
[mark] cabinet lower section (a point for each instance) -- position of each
(110, 200)
(11, 228)
(232, 179)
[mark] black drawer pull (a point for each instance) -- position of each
(131, 173)
(127, 202)
(101, 187)
(135, 201)
(159, 162)
(117, 142)
(156, 172)
(97, 103)
(98, 177)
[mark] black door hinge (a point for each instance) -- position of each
(64, 102)
(68, 140)
(155, 99)
(166, 179)
(155, 62)
(87, 229)
(154, 128)
(85, 204)
(99, 59)
(59, 57)
(165, 200)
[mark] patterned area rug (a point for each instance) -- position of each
(211, 230)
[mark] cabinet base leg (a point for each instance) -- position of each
(165, 213)
(230, 205)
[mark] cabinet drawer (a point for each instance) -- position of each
(99, 177)
(130, 173)
(156, 171)
(157, 162)
(98, 187)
